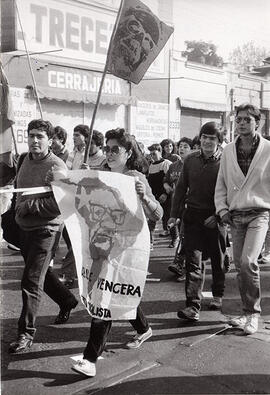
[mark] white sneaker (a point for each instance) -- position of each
(139, 339)
(251, 324)
(13, 247)
(216, 303)
(238, 321)
(85, 367)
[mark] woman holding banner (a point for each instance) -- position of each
(123, 157)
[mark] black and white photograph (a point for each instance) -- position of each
(135, 197)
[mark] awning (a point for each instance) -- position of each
(83, 97)
(199, 105)
(71, 84)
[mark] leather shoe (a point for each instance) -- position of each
(22, 344)
(64, 314)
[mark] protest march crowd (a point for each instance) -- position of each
(209, 195)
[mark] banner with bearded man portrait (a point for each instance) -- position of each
(138, 38)
(110, 240)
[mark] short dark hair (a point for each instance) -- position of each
(60, 133)
(82, 129)
(212, 128)
(98, 138)
(155, 147)
(196, 141)
(40, 124)
(251, 109)
(185, 140)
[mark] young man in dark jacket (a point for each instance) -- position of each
(202, 237)
(39, 220)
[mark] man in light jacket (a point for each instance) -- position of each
(242, 199)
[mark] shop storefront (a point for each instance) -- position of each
(194, 114)
(68, 94)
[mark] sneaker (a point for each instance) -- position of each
(174, 243)
(13, 247)
(165, 233)
(85, 367)
(251, 324)
(22, 344)
(139, 339)
(216, 303)
(264, 259)
(181, 278)
(238, 321)
(189, 314)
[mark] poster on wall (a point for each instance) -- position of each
(24, 106)
(149, 122)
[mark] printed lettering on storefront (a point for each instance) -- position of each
(76, 30)
(82, 82)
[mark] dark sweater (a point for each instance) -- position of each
(157, 171)
(196, 185)
(41, 209)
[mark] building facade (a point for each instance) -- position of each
(68, 41)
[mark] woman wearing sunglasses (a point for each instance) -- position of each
(123, 156)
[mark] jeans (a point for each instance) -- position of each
(38, 248)
(68, 267)
(248, 235)
(266, 247)
(100, 330)
(199, 242)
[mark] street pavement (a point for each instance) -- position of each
(207, 357)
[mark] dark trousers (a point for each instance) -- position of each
(100, 330)
(201, 242)
(166, 212)
(38, 248)
(166, 215)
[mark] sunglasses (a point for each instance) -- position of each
(245, 119)
(115, 149)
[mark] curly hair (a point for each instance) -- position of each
(167, 142)
(185, 140)
(135, 161)
(98, 138)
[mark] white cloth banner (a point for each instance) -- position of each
(110, 240)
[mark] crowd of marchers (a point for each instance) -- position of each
(212, 197)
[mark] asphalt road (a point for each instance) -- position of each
(180, 358)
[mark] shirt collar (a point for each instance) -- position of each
(216, 155)
(254, 140)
